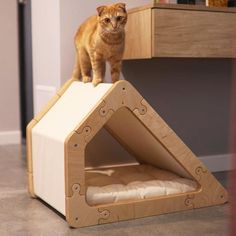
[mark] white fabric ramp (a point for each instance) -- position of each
(49, 135)
(133, 183)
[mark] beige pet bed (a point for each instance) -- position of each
(138, 182)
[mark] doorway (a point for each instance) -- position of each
(25, 64)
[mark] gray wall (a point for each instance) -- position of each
(46, 50)
(9, 71)
(192, 95)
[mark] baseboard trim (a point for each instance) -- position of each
(216, 163)
(10, 137)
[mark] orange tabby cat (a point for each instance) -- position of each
(99, 39)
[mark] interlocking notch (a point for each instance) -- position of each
(84, 133)
(79, 213)
(189, 201)
(200, 171)
(123, 96)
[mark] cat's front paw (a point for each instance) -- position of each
(96, 81)
(86, 79)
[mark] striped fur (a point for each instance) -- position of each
(99, 39)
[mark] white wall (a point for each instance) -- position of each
(46, 50)
(9, 74)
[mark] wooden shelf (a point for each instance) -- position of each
(171, 30)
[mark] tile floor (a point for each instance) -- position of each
(21, 215)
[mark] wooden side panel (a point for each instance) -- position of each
(108, 152)
(29, 157)
(120, 95)
(136, 137)
(123, 95)
(185, 33)
(138, 35)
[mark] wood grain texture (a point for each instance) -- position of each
(78, 213)
(122, 98)
(126, 114)
(183, 7)
(29, 157)
(193, 34)
(181, 31)
(138, 35)
(139, 141)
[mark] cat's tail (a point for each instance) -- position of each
(76, 74)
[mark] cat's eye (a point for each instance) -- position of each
(107, 20)
(119, 18)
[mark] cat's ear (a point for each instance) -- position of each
(100, 10)
(121, 5)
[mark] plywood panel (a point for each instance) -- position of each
(183, 33)
(60, 137)
(139, 141)
(172, 30)
(138, 35)
(103, 150)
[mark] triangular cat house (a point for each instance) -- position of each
(58, 137)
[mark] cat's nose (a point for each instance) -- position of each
(114, 24)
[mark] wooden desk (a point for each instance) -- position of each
(171, 30)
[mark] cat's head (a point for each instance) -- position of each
(112, 18)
